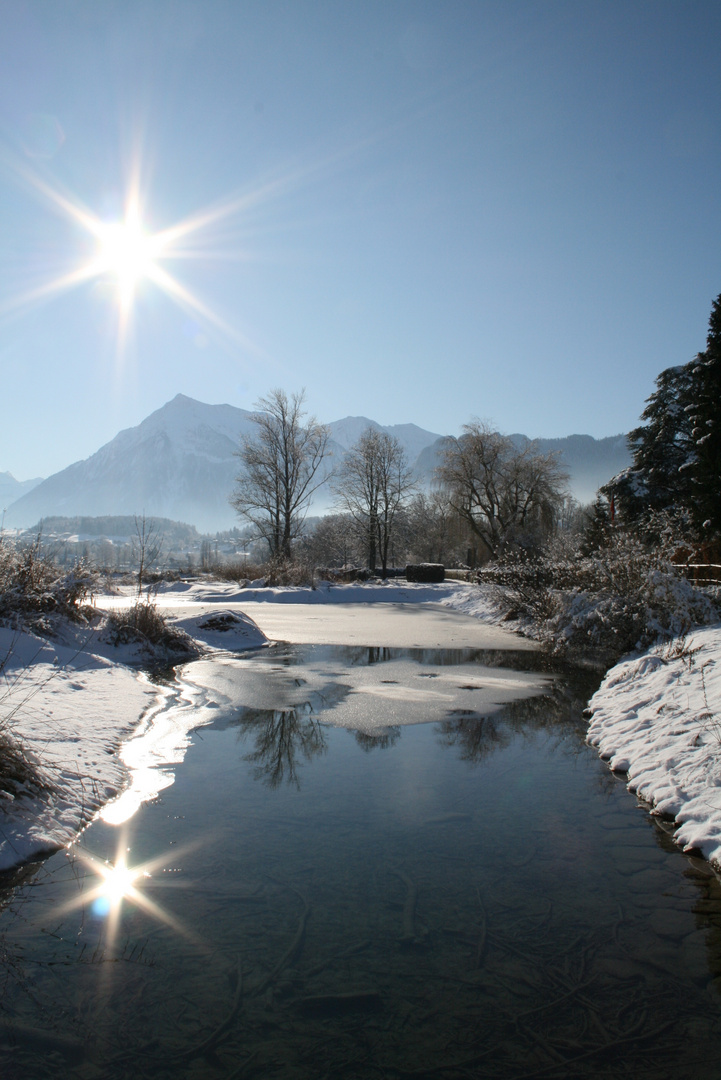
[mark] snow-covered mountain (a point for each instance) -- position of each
(590, 462)
(180, 463)
(411, 437)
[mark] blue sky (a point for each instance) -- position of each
(423, 212)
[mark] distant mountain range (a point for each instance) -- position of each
(180, 463)
(12, 489)
(589, 462)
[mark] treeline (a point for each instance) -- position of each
(488, 494)
(110, 526)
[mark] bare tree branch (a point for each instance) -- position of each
(503, 492)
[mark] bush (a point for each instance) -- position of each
(142, 623)
(287, 572)
(238, 571)
(18, 774)
(342, 575)
(32, 587)
(622, 596)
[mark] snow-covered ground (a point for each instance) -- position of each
(455, 616)
(82, 710)
(69, 707)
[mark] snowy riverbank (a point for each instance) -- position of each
(72, 703)
(657, 717)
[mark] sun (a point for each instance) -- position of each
(127, 253)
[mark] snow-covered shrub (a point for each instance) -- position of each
(526, 585)
(287, 572)
(20, 773)
(32, 587)
(240, 572)
(619, 597)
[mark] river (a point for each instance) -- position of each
(463, 890)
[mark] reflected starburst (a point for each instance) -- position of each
(109, 887)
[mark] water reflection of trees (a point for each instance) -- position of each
(508, 659)
(380, 740)
(475, 736)
(283, 739)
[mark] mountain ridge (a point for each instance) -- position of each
(11, 489)
(180, 462)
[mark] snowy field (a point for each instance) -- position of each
(85, 714)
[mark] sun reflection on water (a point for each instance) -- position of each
(117, 884)
(108, 887)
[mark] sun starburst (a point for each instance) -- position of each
(127, 254)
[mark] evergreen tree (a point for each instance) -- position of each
(663, 450)
(598, 528)
(706, 415)
(677, 451)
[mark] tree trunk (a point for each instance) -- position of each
(371, 544)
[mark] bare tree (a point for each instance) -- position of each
(280, 469)
(282, 738)
(505, 493)
(334, 541)
(147, 547)
(434, 530)
(372, 484)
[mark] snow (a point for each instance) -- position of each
(86, 716)
(329, 614)
(69, 707)
(657, 717)
(106, 738)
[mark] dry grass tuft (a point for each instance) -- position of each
(143, 623)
